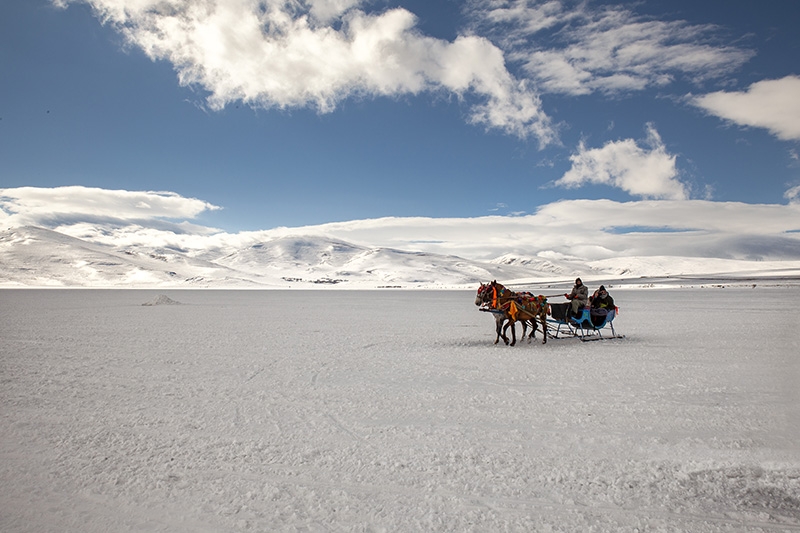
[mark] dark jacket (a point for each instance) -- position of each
(599, 302)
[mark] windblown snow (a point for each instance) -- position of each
(393, 411)
(162, 299)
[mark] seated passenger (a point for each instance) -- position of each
(602, 300)
(579, 297)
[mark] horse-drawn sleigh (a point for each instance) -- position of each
(509, 307)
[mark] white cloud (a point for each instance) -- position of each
(298, 53)
(67, 205)
(591, 230)
(584, 229)
(328, 10)
(647, 173)
(793, 195)
(575, 48)
(770, 104)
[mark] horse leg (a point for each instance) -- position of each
(498, 323)
(512, 323)
(501, 330)
(543, 318)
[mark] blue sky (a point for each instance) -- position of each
(342, 110)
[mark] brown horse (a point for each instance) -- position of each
(513, 307)
(486, 297)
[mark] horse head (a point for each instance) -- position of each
(489, 292)
(483, 292)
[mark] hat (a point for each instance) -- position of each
(602, 288)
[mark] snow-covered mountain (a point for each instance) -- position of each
(38, 257)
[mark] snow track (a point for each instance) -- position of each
(393, 411)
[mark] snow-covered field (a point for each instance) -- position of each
(393, 411)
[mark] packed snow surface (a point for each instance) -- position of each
(393, 411)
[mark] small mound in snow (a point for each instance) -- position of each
(162, 300)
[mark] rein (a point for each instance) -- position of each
(526, 299)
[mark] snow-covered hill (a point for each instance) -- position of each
(325, 261)
(38, 257)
